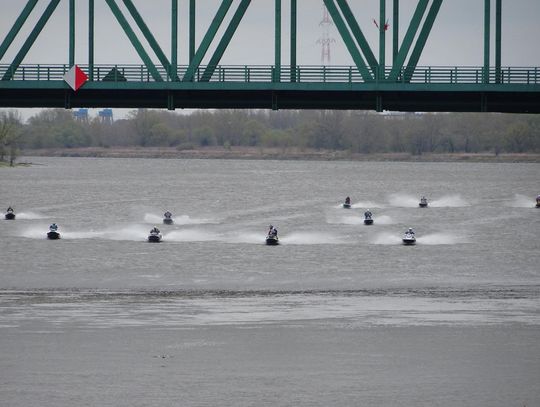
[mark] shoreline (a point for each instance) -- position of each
(257, 153)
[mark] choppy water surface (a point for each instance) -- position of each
(334, 286)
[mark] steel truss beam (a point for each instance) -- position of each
(358, 34)
(422, 39)
(150, 38)
(366, 62)
(17, 26)
(31, 38)
(225, 40)
(134, 40)
(408, 39)
(207, 40)
(363, 50)
(347, 38)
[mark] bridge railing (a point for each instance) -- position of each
(287, 74)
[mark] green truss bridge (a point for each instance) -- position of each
(370, 83)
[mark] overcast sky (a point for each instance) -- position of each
(456, 38)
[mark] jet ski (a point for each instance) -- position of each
(537, 203)
(10, 215)
(53, 233)
(409, 239)
(423, 203)
(155, 237)
(167, 218)
(347, 205)
(272, 240)
(368, 218)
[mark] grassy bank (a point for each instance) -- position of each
(256, 153)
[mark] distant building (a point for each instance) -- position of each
(106, 115)
(81, 115)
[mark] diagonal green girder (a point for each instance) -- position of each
(277, 41)
(134, 40)
(207, 40)
(150, 38)
(347, 38)
(422, 38)
(17, 26)
(30, 40)
(408, 40)
(358, 34)
(225, 40)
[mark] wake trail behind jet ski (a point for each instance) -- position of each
(30, 216)
(387, 239)
(132, 233)
(440, 239)
(383, 220)
(246, 237)
(191, 236)
(307, 238)
(403, 201)
(449, 201)
(366, 204)
(178, 220)
(520, 201)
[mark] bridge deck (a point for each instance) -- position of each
(510, 89)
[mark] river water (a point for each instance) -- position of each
(338, 314)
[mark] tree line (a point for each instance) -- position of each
(355, 131)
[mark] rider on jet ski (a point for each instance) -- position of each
(53, 227)
(409, 232)
(10, 209)
(272, 231)
(368, 214)
(347, 201)
(167, 215)
(155, 231)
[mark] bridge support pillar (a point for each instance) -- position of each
(483, 102)
(170, 101)
(378, 103)
(67, 99)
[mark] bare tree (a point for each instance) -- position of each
(10, 135)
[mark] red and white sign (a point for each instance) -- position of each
(75, 77)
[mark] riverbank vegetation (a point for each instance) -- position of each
(345, 132)
(10, 136)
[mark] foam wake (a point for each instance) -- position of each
(178, 220)
(440, 239)
(403, 201)
(133, 233)
(191, 236)
(366, 205)
(449, 201)
(522, 201)
(386, 239)
(29, 216)
(307, 238)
